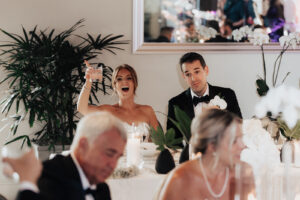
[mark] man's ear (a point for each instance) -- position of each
(83, 146)
(182, 74)
(206, 70)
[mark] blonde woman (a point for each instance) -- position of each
(124, 82)
(217, 136)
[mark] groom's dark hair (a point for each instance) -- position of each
(191, 57)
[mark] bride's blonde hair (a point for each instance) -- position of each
(210, 128)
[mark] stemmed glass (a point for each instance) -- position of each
(95, 72)
(13, 151)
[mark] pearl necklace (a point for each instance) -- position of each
(208, 185)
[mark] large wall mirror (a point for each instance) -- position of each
(207, 25)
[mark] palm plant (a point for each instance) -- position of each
(45, 73)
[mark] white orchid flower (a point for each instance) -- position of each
(281, 101)
(283, 40)
(260, 110)
(212, 32)
(237, 35)
(217, 101)
(245, 31)
(290, 116)
(259, 38)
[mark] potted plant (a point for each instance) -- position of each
(164, 141)
(45, 73)
(183, 123)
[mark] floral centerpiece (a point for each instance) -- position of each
(273, 123)
(282, 103)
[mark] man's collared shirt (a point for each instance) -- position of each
(84, 181)
(198, 108)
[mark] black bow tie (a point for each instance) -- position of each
(197, 100)
(90, 191)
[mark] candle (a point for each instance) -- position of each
(133, 151)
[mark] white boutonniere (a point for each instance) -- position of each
(217, 101)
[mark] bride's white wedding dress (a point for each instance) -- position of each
(142, 128)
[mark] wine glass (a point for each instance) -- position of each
(13, 151)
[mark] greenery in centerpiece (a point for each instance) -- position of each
(45, 73)
(165, 141)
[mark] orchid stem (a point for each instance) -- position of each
(264, 62)
(277, 64)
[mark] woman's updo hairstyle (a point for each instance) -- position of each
(210, 128)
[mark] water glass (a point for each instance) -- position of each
(13, 151)
(96, 74)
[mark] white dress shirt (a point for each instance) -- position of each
(198, 108)
(85, 182)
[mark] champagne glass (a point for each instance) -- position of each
(13, 151)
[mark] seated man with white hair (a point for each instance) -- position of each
(98, 144)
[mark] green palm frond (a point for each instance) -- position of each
(45, 73)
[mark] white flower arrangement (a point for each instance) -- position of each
(260, 150)
(207, 32)
(125, 172)
(259, 38)
(283, 102)
(217, 101)
(293, 39)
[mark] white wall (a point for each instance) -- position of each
(159, 79)
(158, 74)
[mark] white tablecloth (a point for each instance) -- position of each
(141, 187)
(277, 182)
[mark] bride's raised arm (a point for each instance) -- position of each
(83, 100)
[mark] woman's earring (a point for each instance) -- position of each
(216, 157)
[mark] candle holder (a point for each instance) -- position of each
(133, 154)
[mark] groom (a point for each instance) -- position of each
(194, 72)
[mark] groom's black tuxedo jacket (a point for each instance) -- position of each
(184, 102)
(60, 180)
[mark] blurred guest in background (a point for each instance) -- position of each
(29, 169)
(240, 12)
(217, 137)
(215, 25)
(98, 144)
(274, 19)
(191, 34)
(226, 30)
(165, 34)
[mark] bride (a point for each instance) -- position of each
(217, 135)
(124, 82)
